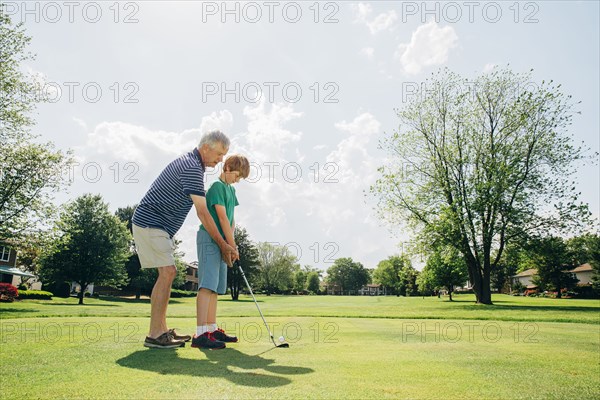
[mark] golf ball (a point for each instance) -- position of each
(281, 339)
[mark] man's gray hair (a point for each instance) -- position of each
(214, 137)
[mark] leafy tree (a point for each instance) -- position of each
(313, 282)
(426, 282)
(387, 273)
(249, 261)
(551, 257)
(475, 165)
(30, 171)
(140, 280)
(349, 275)
(125, 214)
(300, 277)
(29, 249)
(276, 269)
(91, 246)
(446, 268)
(397, 275)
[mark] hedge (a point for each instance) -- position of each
(35, 294)
(182, 293)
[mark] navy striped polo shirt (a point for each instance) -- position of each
(167, 203)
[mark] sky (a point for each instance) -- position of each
(306, 90)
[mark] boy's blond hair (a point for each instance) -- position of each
(237, 162)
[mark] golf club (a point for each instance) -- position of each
(260, 312)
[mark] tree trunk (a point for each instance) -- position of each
(450, 291)
(83, 288)
(138, 293)
(481, 285)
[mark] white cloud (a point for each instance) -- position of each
(429, 45)
(127, 142)
(351, 155)
(266, 139)
(222, 121)
(381, 22)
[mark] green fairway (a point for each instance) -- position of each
(377, 347)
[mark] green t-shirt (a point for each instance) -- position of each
(222, 194)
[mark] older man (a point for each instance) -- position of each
(159, 216)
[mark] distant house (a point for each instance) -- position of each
(584, 273)
(526, 278)
(331, 288)
(372, 290)
(76, 288)
(9, 273)
(191, 277)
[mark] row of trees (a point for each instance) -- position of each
(88, 244)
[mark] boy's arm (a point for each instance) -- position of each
(227, 252)
(227, 228)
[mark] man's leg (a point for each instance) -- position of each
(161, 293)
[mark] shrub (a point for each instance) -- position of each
(35, 294)
(182, 293)
(22, 286)
(87, 294)
(8, 292)
(585, 292)
(60, 289)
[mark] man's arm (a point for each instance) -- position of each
(227, 252)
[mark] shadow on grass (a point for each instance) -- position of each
(240, 300)
(469, 304)
(134, 301)
(216, 365)
(18, 310)
(82, 305)
(123, 300)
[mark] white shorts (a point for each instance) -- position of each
(154, 247)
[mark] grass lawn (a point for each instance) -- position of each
(340, 347)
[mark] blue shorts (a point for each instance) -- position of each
(212, 270)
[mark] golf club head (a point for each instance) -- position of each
(285, 345)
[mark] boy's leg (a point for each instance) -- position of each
(212, 310)
(161, 293)
(212, 317)
(203, 306)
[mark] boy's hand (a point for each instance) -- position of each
(228, 253)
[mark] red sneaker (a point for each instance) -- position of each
(220, 335)
(207, 341)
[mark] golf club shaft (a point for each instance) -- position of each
(255, 302)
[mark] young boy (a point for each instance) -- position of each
(212, 270)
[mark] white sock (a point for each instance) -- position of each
(212, 327)
(200, 330)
